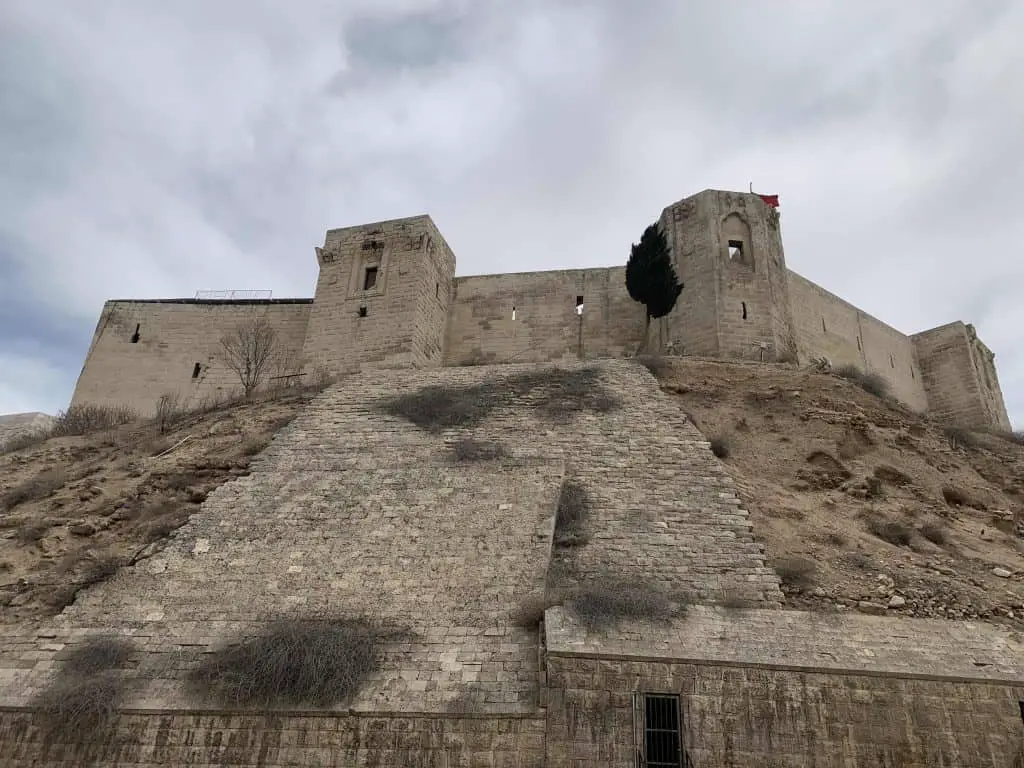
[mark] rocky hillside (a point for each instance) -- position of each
(74, 509)
(861, 504)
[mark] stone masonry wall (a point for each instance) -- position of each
(397, 322)
(786, 688)
(174, 335)
(546, 326)
(354, 510)
(960, 376)
(828, 326)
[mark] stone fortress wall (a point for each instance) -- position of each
(387, 296)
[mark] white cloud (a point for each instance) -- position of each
(153, 149)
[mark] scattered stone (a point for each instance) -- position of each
(1002, 573)
(83, 529)
(819, 592)
(897, 602)
(986, 535)
(202, 547)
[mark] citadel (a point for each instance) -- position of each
(474, 576)
(387, 297)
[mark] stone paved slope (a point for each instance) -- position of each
(354, 509)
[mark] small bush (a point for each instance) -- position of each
(609, 601)
(470, 450)
(720, 447)
(39, 487)
(86, 418)
(97, 654)
(292, 662)
(872, 383)
(98, 569)
(891, 531)
(795, 571)
(837, 539)
(960, 437)
(254, 445)
(82, 701)
(957, 497)
(934, 532)
(659, 366)
(24, 440)
(874, 488)
(168, 411)
(32, 533)
(572, 515)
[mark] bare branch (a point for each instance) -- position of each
(249, 350)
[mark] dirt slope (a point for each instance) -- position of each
(863, 505)
(74, 509)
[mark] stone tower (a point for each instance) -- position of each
(727, 250)
(382, 297)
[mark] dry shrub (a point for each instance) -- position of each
(935, 533)
(659, 366)
(471, 450)
(292, 662)
(720, 447)
(86, 418)
(607, 601)
(82, 701)
(957, 497)
(874, 488)
(572, 515)
(254, 445)
(891, 475)
(892, 531)
(39, 487)
(836, 539)
(24, 440)
(33, 532)
(795, 571)
(960, 437)
(872, 383)
(168, 411)
(554, 393)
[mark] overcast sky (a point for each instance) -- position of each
(149, 149)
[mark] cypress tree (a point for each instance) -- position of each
(650, 278)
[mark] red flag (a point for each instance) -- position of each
(772, 200)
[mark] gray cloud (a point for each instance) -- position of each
(149, 149)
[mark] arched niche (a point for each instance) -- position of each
(736, 240)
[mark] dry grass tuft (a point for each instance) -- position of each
(86, 418)
(960, 437)
(82, 701)
(608, 601)
(39, 487)
(795, 571)
(872, 383)
(891, 531)
(934, 532)
(293, 662)
(471, 450)
(720, 446)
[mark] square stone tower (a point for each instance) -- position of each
(727, 251)
(382, 297)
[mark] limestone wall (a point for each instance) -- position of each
(397, 321)
(763, 688)
(173, 336)
(826, 325)
(959, 372)
(546, 325)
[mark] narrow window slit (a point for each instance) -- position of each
(744, 309)
(579, 305)
(370, 279)
(135, 336)
(196, 369)
(513, 311)
(362, 311)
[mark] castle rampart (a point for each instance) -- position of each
(387, 296)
